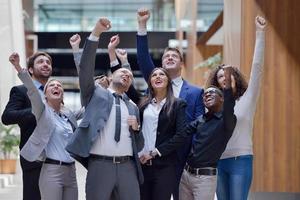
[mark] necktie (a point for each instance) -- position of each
(41, 88)
(118, 117)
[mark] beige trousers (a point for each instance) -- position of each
(199, 187)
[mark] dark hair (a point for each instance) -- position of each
(176, 50)
(170, 99)
(241, 83)
(31, 59)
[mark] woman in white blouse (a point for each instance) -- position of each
(163, 120)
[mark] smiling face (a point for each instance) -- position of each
(54, 91)
(159, 79)
(213, 99)
(42, 67)
(122, 79)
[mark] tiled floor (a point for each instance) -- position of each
(14, 191)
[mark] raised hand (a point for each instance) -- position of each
(14, 59)
(143, 14)
(75, 41)
(103, 81)
(122, 55)
(102, 25)
(114, 42)
(260, 23)
(229, 78)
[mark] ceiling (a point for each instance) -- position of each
(80, 15)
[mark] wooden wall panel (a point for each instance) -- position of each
(277, 124)
(232, 32)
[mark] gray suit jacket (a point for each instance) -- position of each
(34, 147)
(98, 103)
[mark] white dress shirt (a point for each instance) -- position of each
(176, 86)
(105, 143)
(150, 123)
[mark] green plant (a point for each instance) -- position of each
(211, 62)
(8, 141)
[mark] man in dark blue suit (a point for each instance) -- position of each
(172, 60)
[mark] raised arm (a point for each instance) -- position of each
(229, 102)
(87, 62)
(132, 93)
(143, 56)
(122, 55)
(33, 93)
(74, 42)
(257, 63)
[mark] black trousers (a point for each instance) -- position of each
(31, 189)
(159, 182)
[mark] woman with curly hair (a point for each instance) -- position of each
(235, 165)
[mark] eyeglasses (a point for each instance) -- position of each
(211, 91)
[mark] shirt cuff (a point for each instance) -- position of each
(142, 32)
(157, 152)
(114, 63)
(93, 38)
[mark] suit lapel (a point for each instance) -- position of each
(71, 118)
(184, 90)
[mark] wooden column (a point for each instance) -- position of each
(276, 133)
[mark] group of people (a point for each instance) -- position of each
(176, 140)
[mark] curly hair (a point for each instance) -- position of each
(241, 83)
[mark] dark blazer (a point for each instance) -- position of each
(18, 111)
(170, 131)
(191, 94)
(98, 103)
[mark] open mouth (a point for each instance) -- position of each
(158, 82)
(209, 99)
(56, 93)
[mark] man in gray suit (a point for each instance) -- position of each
(108, 135)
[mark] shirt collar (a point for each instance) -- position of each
(37, 84)
(216, 115)
(177, 81)
(153, 101)
(113, 91)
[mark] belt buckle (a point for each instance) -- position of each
(115, 161)
(197, 171)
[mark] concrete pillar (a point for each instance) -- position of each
(12, 39)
